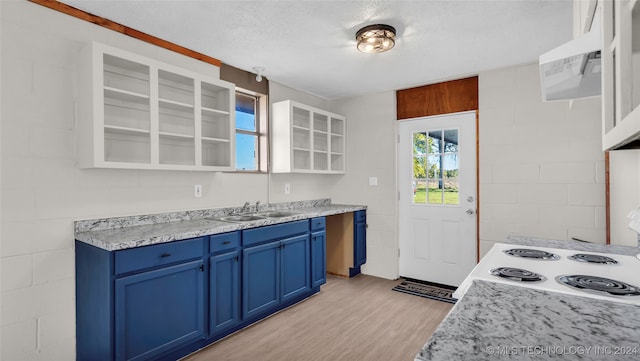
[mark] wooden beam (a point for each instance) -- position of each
(112, 25)
(442, 98)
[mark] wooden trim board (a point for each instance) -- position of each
(339, 244)
(112, 25)
(435, 99)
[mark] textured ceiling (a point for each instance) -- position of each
(310, 45)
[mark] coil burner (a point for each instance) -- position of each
(592, 258)
(532, 254)
(517, 274)
(598, 285)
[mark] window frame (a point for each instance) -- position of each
(262, 127)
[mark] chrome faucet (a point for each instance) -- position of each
(257, 205)
(244, 208)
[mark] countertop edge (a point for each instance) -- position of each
(149, 234)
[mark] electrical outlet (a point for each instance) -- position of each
(197, 191)
(287, 188)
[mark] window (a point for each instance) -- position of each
(435, 167)
(251, 140)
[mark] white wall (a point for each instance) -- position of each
(541, 164)
(371, 152)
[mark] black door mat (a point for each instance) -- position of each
(425, 289)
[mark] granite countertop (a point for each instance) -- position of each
(574, 245)
(495, 321)
(135, 231)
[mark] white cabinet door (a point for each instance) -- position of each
(620, 73)
(306, 139)
(139, 113)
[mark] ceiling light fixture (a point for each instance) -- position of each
(258, 70)
(376, 38)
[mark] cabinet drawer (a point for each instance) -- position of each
(277, 231)
(221, 242)
(157, 255)
(359, 216)
(318, 223)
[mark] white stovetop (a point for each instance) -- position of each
(627, 270)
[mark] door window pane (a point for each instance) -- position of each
(451, 140)
(450, 167)
(419, 167)
(419, 191)
(419, 143)
(436, 167)
(434, 141)
(434, 192)
(451, 192)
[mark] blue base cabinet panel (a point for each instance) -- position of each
(359, 241)
(224, 285)
(295, 273)
(318, 252)
(224, 282)
(159, 310)
(276, 268)
(260, 279)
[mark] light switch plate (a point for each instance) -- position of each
(197, 191)
(287, 188)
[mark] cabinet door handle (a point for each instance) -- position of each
(226, 242)
(237, 259)
(165, 255)
(201, 268)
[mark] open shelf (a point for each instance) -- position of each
(126, 146)
(151, 115)
(176, 149)
(216, 154)
(114, 129)
(215, 98)
(307, 139)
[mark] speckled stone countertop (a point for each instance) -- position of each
(495, 321)
(135, 231)
(574, 245)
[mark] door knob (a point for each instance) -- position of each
(470, 211)
(470, 199)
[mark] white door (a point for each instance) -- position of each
(437, 185)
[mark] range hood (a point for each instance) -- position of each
(573, 69)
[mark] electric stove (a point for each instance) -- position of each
(609, 277)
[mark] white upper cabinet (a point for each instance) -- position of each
(620, 73)
(139, 113)
(306, 139)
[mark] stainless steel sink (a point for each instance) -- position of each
(238, 218)
(276, 214)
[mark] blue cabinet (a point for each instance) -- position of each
(158, 310)
(276, 268)
(295, 269)
(318, 252)
(139, 303)
(260, 278)
(164, 301)
(224, 282)
(359, 241)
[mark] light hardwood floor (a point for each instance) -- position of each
(350, 319)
